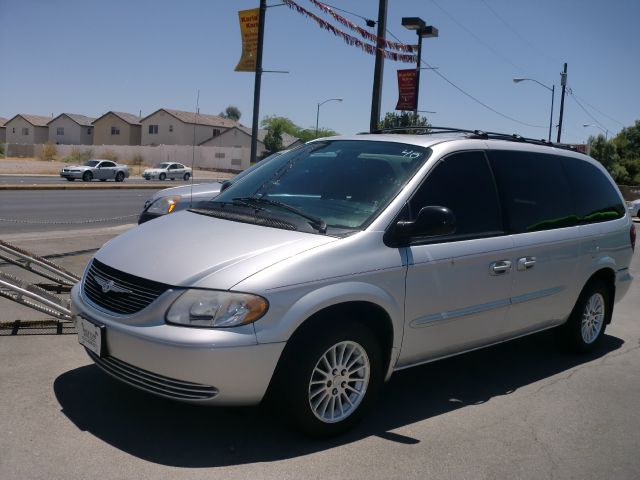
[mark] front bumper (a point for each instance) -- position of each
(151, 176)
(77, 175)
(169, 360)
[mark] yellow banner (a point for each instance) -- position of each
(249, 30)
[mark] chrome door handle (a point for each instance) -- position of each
(500, 267)
(526, 263)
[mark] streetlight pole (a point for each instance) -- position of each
(604, 130)
(318, 110)
(552, 89)
(424, 31)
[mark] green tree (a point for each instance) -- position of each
(232, 113)
(403, 119)
(273, 139)
(620, 155)
(287, 126)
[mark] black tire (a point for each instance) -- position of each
(186, 177)
(119, 177)
(162, 177)
(70, 179)
(87, 176)
(293, 388)
(589, 318)
(103, 179)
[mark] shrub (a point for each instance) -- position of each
(77, 156)
(109, 155)
(2, 147)
(49, 151)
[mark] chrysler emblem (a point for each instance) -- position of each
(109, 285)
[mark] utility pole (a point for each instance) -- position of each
(376, 97)
(563, 82)
(256, 88)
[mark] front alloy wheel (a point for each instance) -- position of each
(339, 382)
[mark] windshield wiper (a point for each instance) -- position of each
(316, 222)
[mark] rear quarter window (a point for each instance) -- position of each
(596, 198)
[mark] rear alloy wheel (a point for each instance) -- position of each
(589, 318)
(329, 378)
(186, 177)
(87, 176)
(119, 177)
(162, 177)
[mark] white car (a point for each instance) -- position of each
(165, 170)
(633, 207)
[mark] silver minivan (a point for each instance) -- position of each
(314, 278)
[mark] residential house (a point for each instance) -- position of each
(71, 129)
(176, 127)
(117, 128)
(3, 130)
(27, 129)
(240, 136)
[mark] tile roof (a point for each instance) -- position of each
(35, 120)
(81, 120)
(130, 118)
(199, 119)
(3, 121)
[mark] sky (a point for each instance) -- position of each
(90, 56)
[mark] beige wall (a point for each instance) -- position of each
(129, 134)
(221, 158)
(234, 138)
(182, 133)
(74, 134)
(36, 134)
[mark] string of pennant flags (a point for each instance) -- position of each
(351, 40)
(401, 47)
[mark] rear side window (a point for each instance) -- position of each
(463, 183)
(596, 198)
(534, 191)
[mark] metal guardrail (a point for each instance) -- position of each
(31, 295)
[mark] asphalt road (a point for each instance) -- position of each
(24, 211)
(52, 179)
(524, 409)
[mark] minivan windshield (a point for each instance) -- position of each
(335, 186)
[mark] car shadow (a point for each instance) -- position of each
(181, 435)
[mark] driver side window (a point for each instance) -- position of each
(462, 182)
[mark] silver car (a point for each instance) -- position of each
(96, 169)
(337, 264)
(170, 170)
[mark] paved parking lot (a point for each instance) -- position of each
(524, 409)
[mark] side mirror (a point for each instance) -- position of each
(432, 221)
(226, 184)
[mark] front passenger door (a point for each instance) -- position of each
(457, 287)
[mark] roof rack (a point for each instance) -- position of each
(475, 134)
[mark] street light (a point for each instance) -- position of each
(424, 31)
(552, 89)
(318, 111)
(606, 132)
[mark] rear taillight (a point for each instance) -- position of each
(632, 236)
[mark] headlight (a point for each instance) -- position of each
(212, 308)
(164, 205)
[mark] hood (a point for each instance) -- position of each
(187, 249)
(77, 167)
(199, 190)
(155, 170)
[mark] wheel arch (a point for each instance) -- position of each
(607, 276)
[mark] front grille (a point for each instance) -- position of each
(119, 292)
(153, 383)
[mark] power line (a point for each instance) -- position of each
(585, 110)
(478, 39)
(600, 112)
(441, 75)
(517, 34)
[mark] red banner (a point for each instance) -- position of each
(406, 89)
